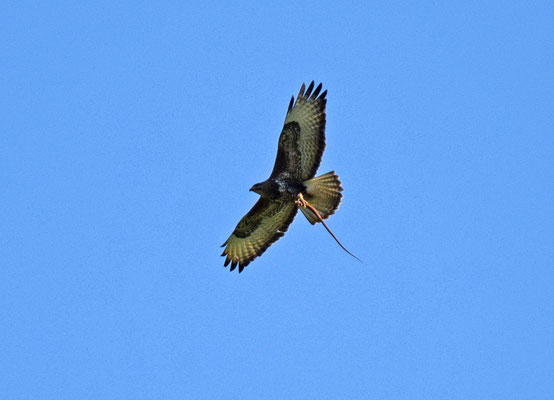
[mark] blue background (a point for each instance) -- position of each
(131, 133)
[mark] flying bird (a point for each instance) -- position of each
(291, 185)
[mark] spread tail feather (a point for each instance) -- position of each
(324, 193)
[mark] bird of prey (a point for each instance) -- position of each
(291, 185)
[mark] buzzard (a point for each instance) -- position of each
(291, 185)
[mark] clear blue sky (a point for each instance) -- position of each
(131, 133)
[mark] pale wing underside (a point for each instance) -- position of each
(264, 224)
(302, 139)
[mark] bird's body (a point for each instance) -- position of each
(281, 187)
(299, 152)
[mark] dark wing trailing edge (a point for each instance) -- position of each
(302, 139)
(264, 224)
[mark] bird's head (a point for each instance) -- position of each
(265, 188)
(258, 188)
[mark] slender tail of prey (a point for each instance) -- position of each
(301, 202)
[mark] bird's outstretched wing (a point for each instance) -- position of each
(302, 139)
(264, 224)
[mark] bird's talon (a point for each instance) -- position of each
(300, 200)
